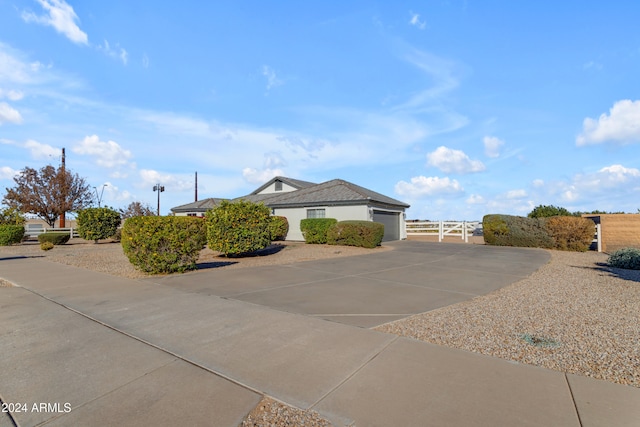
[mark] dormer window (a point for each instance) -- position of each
(278, 185)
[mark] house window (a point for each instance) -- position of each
(278, 185)
(315, 213)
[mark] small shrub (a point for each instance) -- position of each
(278, 227)
(570, 233)
(46, 246)
(236, 228)
(628, 258)
(11, 234)
(98, 223)
(365, 234)
(163, 244)
(57, 238)
(508, 230)
(315, 230)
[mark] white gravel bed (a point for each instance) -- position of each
(575, 315)
(271, 413)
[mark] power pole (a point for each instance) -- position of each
(196, 186)
(64, 195)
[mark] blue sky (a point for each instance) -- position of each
(459, 108)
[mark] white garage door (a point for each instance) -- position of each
(391, 221)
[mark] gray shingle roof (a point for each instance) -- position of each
(336, 191)
(198, 206)
(295, 183)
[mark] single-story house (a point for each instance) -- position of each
(339, 199)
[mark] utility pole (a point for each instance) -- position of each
(196, 186)
(64, 190)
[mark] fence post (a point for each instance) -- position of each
(599, 234)
(440, 231)
(464, 232)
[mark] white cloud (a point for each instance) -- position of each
(475, 199)
(107, 154)
(9, 114)
(516, 194)
(41, 151)
(492, 146)
(538, 183)
(116, 52)
(272, 79)
(255, 176)
(416, 22)
(421, 186)
(61, 17)
(8, 173)
(621, 125)
(12, 95)
(151, 178)
(453, 161)
(145, 61)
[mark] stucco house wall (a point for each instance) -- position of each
(341, 213)
(618, 230)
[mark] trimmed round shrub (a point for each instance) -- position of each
(508, 230)
(57, 238)
(315, 230)
(98, 223)
(163, 244)
(237, 228)
(628, 258)
(46, 246)
(11, 234)
(364, 234)
(570, 233)
(278, 227)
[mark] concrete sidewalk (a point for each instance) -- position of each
(126, 352)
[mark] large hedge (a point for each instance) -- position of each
(236, 228)
(558, 232)
(278, 227)
(163, 244)
(365, 234)
(315, 230)
(11, 234)
(507, 230)
(55, 237)
(98, 223)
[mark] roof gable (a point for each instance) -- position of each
(295, 183)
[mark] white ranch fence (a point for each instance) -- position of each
(34, 230)
(462, 229)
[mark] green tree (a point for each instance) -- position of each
(235, 228)
(98, 223)
(545, 211)
(48, 193)
(11, 216)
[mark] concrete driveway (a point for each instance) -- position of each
(369, 290)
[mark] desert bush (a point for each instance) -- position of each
(365, 234)
(570, 233)
(628, 258)
(278, 227)
(315, 230)
(236, 228)
(98, 223)
(57, 238)
(508, 230)
(11, 234)
(46, 246)
(163, 244)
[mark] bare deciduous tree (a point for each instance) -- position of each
(48, 193)
(136, 209)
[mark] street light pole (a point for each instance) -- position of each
(99, 198)
(159, 188)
